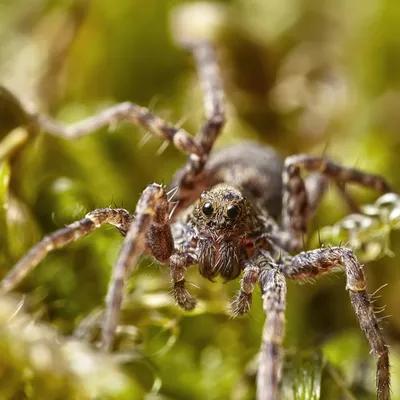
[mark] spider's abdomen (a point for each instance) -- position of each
(255, 170)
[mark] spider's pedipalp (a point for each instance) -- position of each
(118, 217)
(317, 262)
(179, 262)
(242, 302)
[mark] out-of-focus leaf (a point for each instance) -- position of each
(367, 233)
(23, 231)
(12, 142)
(4, 183)
(37, 364)
(12, 113)
(307, 375)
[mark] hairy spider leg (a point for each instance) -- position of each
(197, 148)
(214, 99)
(316, 186)
(150, 232)
(214, 104)
(296, 206)
(151, 219)
(273, 289)
(117, 217)
(128, 112)
(135, 114)
(153, 199)
(314, 263)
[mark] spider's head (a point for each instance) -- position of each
(223, 212)
(222, 217)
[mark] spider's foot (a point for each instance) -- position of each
(182, 296)
(241, 304)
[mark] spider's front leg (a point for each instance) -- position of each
(150, 229)
(118, 217)
(149, 232)
(273, 288)
(150, 222)
(317, 262)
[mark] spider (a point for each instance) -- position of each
(220, 212)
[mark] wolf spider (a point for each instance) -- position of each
(220, 213)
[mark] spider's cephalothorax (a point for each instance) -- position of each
(222, 218)
(221, 213)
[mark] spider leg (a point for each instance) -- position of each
(118, 217)
(128, 112)
(242, 302)
(316, 187)
(214, 97)
(353, 206)
(297, 209)
(273, 288)
(317, 262)
(214, 103)
(151, 220)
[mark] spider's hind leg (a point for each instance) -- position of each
(214, 103)
(297, 205)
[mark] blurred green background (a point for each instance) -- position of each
(304, 76)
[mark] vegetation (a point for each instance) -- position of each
(303, 76)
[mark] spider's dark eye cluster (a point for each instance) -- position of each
(232, 211)
(208, 209)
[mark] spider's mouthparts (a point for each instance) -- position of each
(219, 259)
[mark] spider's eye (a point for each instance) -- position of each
(232, 211)
(208, 209)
